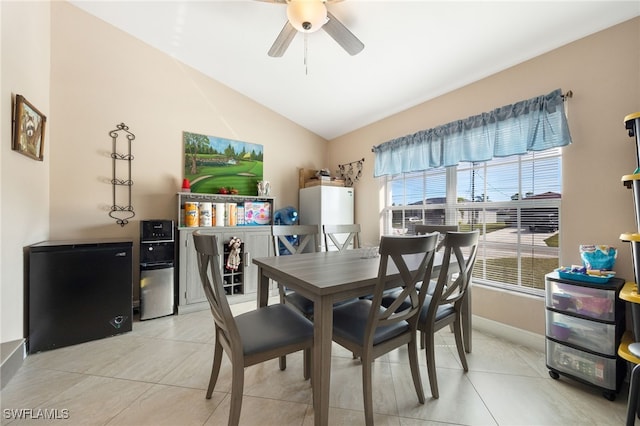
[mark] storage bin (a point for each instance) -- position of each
(590, 302)
(590, 335)
(595, 369)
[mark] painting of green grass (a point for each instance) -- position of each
(215, 165)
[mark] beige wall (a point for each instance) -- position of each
(24, 183)
(102, 77)
(603, 71)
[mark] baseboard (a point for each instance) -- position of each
(515, 335)
(13, 354)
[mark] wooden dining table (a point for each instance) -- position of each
(327, 278)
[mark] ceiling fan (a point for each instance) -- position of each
(307, 16)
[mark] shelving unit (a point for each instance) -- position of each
(630, 291)
(121, 213)
(584, 327)
(233, 278)
(241, 283)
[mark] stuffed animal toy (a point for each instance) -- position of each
(286, 216)
(233, 261)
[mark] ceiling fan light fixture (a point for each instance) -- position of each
(307, 16)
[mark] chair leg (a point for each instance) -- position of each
(283, 358)
(457, 330)
(415, 369)
(634, 392)
(215, 370)
(367, 390)
(307, 363)
(431, 367)
(237, 387)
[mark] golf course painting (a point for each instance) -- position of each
(217, 165)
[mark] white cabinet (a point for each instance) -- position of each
(240, 284)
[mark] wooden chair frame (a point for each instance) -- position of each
(371, 345)
(228, 336)
(445, 305)
(332, 233)
(422, 229)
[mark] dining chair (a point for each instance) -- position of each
(295, 239)
(445, 305)
(369, 330)
(341, 236)
(421, 229)
(252, 337)
(292, 240)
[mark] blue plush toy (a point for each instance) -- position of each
(286, 216)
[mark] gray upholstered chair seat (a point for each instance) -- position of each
(305, 305)
(350, 323)
(300, 302)
(441, 312)
(272, 327)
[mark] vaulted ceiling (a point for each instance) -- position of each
(414, 50)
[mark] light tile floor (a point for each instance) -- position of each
(157, 375)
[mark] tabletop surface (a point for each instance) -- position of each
(333, 271)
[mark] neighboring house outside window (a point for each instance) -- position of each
(514, 201)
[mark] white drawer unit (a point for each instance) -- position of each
(584, 325)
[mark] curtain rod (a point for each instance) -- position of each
(565, 96)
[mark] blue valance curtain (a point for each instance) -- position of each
(535, 124)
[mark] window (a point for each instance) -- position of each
(513, 201)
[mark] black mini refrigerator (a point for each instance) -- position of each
(157, 269)
(78, 291)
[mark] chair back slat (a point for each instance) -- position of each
(341, 236)
(455, 274)
(422, 229)
(306, 238)
(208, 257)
(397, 250)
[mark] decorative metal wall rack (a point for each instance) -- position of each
(351, 172)
(121, 186)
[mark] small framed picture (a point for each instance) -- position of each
(28, 129)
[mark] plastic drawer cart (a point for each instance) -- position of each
(584, 325)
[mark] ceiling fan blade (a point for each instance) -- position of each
(342, 35)
(282, 41)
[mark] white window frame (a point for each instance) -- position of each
(452, 207)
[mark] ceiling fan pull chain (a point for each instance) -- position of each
(306, 67)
